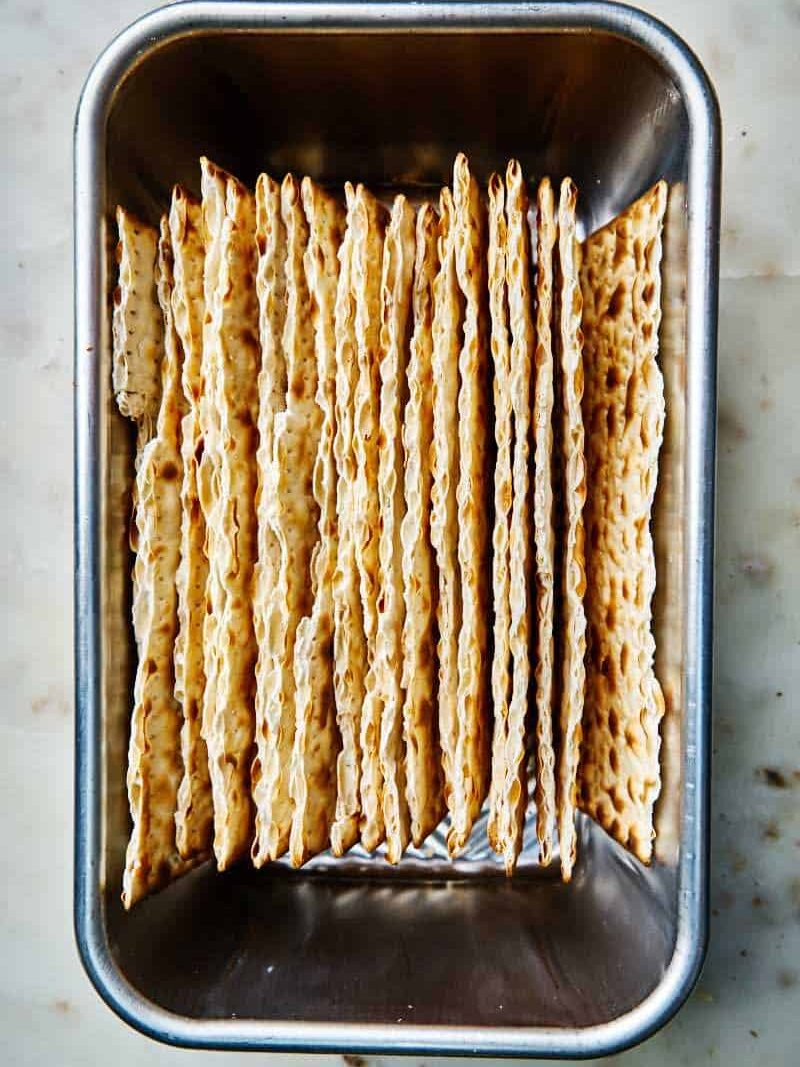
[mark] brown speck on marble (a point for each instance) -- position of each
(794, 889)
(756, 568)
(772, 831)
(754, 1033)
(758, 901)
(705, 996)
(62, 1006)
(731, 426)
(352, 1060)
(49, 702)
(766, 403)
(787, 979)
(774, 778)
(738, 861)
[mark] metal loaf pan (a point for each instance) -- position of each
(415, 959)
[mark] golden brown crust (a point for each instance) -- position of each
(154, 759)
(350, 643)
(229, 412)
(420, 667)
(270, 786)
(472, 763)
(522, 352)
(624, 412)
(447, 320)
(544, 532)
(137, 327)
(503, 432)
(396, 320)
(369, 223)
(294, 521)
(316, 741)
(573, 572)
(194, 819)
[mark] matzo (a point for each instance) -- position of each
(396, 286)
(420, 668)
(522, 345)
(624, 411)
(316, 741)
(447, 321)
(229, 411)
(154, 758)
(543, 528)
(269, 783)
(294, 514)
(471, 767)
(503, 431)
(194, 819)
(138, 331)
(369, 222)
(350, 644)
(573, 576)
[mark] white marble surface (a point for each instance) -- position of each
(747, 1005)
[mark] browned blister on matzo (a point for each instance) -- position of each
(229, 413)
(624, 414)
(369, 224)
(447, 324)
(420, 578)
(137, 327)
(503, 431)
(473, 748)
(350, 643)
(543, 524)
(194, 819)
(574, 489)
(395, 337)
(154, 756)
(316, 741)
(520, 546)
(273, 812)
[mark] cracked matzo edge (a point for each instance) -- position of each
(350, 643)
(420, 578)
(544, 531)
(624, 405)
(574, 574)
(316, 742)
(395, 338)
(154, 757)
(369, 224)
(229, 413)
(503, 431)
(194, 819)
(447, 319)
(473, 748)
(269, 783)
(520, 545)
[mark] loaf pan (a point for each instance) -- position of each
(423, 958)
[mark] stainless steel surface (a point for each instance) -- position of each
(418, 958)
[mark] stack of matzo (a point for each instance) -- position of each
(370, 439)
